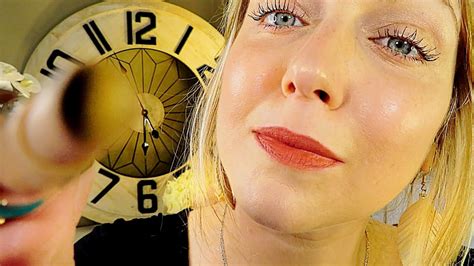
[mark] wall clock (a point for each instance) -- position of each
(163, 50)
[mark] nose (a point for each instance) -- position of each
(312, 70)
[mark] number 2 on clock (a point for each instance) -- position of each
(138, 37)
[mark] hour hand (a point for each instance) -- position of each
(154, 132)
(145, 144)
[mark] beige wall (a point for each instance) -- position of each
(23, 23)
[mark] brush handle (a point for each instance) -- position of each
(52, 138)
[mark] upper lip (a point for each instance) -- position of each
(296, 140)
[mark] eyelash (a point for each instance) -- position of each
(275, 6)
(427, 54)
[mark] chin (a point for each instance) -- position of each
(272, 220)
(278, 209)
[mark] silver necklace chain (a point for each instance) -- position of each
(224, 256)
(222, 247)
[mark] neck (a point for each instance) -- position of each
(250, 243)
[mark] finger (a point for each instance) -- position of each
(55, 136)
(46, 236)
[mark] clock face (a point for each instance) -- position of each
(164, 52)
(162, 86)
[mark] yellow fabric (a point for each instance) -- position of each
(383, 248)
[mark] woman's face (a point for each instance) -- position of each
(370, 80)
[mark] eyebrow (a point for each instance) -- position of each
(451, 9)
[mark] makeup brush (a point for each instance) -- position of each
(56, 135)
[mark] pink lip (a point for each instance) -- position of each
(295, 150)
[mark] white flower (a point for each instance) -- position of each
(11, 79)
(27, 86)
(6, 85)
(176, 195)
(9, 73)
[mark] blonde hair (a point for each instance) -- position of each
(451, 189)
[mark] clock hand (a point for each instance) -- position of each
(154, 132)
(122, 68)
(146, 119)
(141, 105)
(145, 144)
(125, 71)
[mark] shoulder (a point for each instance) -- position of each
(383, 248)
(140, 240)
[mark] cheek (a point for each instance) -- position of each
(250, 78)
(396, 120)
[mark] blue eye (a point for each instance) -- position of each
(282, 19)
(400, 43)
(278, 15)
(400, 46)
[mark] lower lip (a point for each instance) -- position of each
(297, 158)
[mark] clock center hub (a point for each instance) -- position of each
(153, 110)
